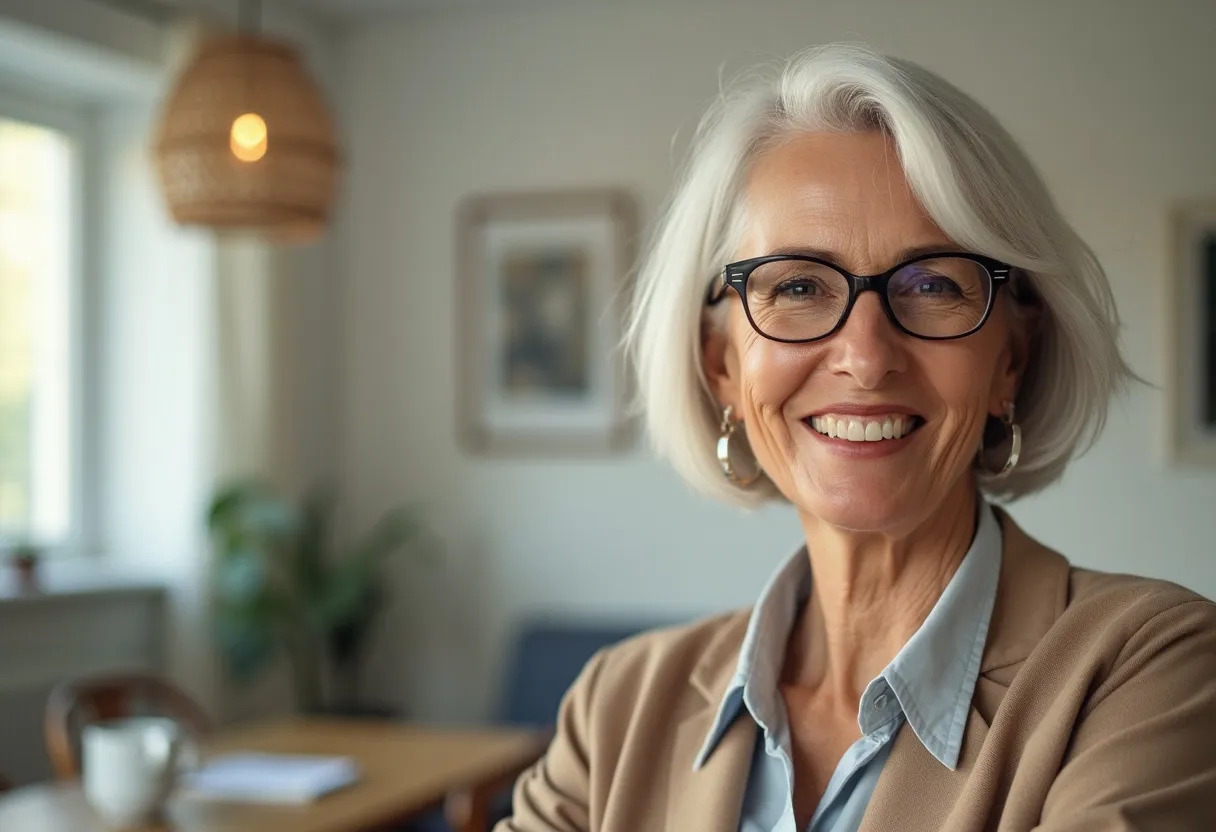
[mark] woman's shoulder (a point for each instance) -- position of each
(1134, 619)
(1043, 594)
(1133, 598)
(1105, 697)
(1115, 628)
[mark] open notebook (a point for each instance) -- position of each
(269, 778)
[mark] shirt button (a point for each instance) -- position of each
(880, 702)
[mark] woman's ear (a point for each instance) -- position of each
(720, 362)
(1023, 333)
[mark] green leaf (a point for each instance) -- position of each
(251, 509)
(312, 537)
(392, 532)
(241, 575)
(277, 586)
(346, 594)
(246, 641)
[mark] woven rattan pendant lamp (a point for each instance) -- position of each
(246, 141)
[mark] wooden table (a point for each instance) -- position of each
(406, 770)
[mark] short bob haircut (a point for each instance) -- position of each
(971, 178)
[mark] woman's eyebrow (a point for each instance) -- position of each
(834, 257)
(805, 251)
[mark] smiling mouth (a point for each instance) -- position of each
(865, 429)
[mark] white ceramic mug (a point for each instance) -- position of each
(130, 767)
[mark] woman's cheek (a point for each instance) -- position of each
(965, 408)
(774, 372)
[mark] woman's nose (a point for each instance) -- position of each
(868, 347)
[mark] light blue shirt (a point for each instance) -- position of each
(929, 684)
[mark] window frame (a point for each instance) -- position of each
(79, 122)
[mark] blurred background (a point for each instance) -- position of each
(150, 371)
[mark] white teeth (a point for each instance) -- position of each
(858, 430)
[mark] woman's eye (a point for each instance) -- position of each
(933, 285)
(797, 288)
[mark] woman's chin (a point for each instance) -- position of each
(863, 504)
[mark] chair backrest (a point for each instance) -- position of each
(547, 657)
(75, 703)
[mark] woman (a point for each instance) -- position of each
(890, 289)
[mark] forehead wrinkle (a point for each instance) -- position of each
(862, 212)
(818, 217)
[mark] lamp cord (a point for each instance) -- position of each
(161, 12)
(155, 11)
(249, 17)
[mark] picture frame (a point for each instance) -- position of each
(540, 301)
(1191, 335)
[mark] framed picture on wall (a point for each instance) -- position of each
(1191, 333)
(540, 294)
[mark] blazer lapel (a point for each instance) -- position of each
(915, 791)
(710, 799)
(1031, 595)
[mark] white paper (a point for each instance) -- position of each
(269, 778)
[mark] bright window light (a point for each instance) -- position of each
(36, 263)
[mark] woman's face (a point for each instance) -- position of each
(844, 194)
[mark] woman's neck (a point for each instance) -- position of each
(870, 594)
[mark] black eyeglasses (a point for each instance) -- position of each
(796, 298)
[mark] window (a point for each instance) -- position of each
(39, 393)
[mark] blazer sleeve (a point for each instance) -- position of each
(1143, 756)
(553, 795)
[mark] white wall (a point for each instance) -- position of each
(1114, 101)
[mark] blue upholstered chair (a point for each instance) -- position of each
(546, 658)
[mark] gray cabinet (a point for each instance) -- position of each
(45, 638)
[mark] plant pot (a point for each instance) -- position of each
(25, 567)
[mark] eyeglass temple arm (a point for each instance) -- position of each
(718, 282)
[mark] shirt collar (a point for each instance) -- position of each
(933, 676)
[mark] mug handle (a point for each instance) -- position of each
(189, 753)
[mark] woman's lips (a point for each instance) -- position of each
(865, 449)
(846, 427)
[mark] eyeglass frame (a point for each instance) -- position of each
(735, 276)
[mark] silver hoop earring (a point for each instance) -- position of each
(729, 427)
(1015, 445)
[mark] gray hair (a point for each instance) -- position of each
(972, 179)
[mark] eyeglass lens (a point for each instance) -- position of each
(798, 300)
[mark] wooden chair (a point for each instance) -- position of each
(75, 703)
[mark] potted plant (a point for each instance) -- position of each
(24, 557)
(281, 589)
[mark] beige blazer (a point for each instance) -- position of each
(1095, 711)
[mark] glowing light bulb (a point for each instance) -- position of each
(248, 139)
